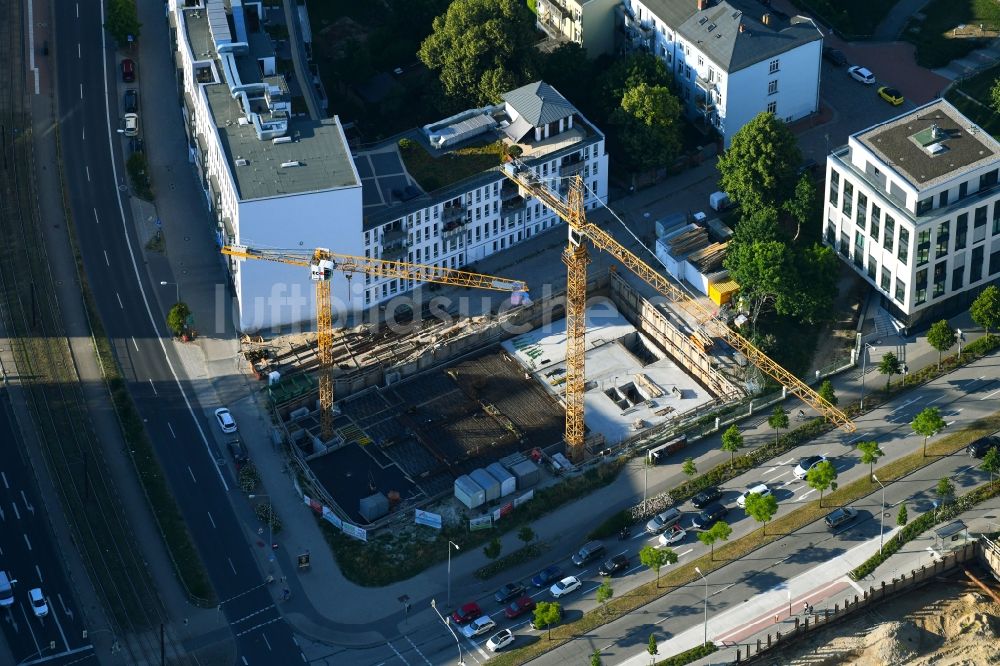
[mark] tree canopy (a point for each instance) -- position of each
(732, 440)
(870, 453)
(759, 168)
(889, 366)
(827, 393)
(821, 477)
(942, 337)
(657, 558)
(647, 122)
(778, 420)
(927, 423)
(985, 310)
(481, 49)
(762, 507)
(122, 21)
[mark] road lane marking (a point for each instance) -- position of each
(26, 541)
(120, 304)
(171, 429)
(948, 423)
(106, 260)
(59, 626)
(804, 495)
(266, 642)
(635, 568)
(87, 169)
(66, 611)
(192, 475)
(417, 650)
(5, 484)
(231, 565)
(27, 504)
(96, 218)
(857, 587)
(79, 53)
(16, 512)
(150, 379)
(851, 441)
(81, 91)
(990, 395)
(679, 555)
(38, 571)
(722, 590)
(906, 404)
(401, 657)
(136, 345)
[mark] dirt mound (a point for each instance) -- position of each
(890, 643)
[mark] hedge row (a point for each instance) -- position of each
(512, 559)
(686, 657)
(612, 525)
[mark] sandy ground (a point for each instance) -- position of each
(947, 624)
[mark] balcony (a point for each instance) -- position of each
(513, 204)
(452, 214)
(453, 230)
(571, 167)
(394, 245)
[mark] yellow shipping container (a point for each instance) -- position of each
(722, 292)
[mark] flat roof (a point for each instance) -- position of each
(902, 142)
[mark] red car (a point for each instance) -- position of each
(128, 71)
(519, 607)
(467, 613)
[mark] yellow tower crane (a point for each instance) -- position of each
(321, 263)
(575, 257)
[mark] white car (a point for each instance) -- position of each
(862, 74)
(226, 421)
(761, 489)
(565, 586)
(500, 640)
(38, 604)
(802, 469)
(479, 626)
(674, 535)
(131, 124)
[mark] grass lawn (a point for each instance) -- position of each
(978, 88)
(433, 173)
(937, 37)
(851, 19)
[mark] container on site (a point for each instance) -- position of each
(469, 493)
(508, 483)
(486, 481)
(527, 474)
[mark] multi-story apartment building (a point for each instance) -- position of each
(457, 223)
(730, 59)
(589, 23)
(912, 204)
(272, 179)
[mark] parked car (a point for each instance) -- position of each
(38, 603)
(891, 95)
(802, 469)
(6, 589)
(615, 565)
(709, 516)
(674, 535)
(508, 592)
(834, 56)
(479, 626)
(500, 640)
(982, 446)
(859, 73)
(546, 576)
(565, 586)
(590, 552)
(225, 420)
(759, 489)
(131, 124)
(519, 607)
(131, 101)
(838, 517)
(706, 497)
(662, 521)
(237, 452)
(467, 613)
(128, 70)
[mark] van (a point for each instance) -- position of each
(6, 590)
(588, 553)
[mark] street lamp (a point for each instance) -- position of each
(881, 529)
(164, 283)
(706, 603)
(864, 369)
(450, 544)
(448, 625)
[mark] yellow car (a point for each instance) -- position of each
(891, 95)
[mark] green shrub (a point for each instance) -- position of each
(612, 525)
(406, 144)
(138, 173)
(686, 657)
(511, 559)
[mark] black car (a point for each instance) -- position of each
(508, 592)
(614, 565)
(547, 576)
(238, 452)
(706, 497)
(838, 517)
(131, 102)
(834, 56)
(982, 446)
(709, 516)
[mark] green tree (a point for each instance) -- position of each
(995, 95)
(759, 168)
(991, 463)
(985, 310)
(804, 205)
(757, 226)
(762, 508)
(827, 393)
(604, 593)
(122, 21)
(764, 271)
(547, 613)
(942, 337)
(647, 123)
(595, 658)
(816, 271)
(777, 420)
(480, 49)
(902, 517)
(732, 440)
(177, 318)
(657, 558)
(889, 366)
(720, 531)
(689, 468)
(870, 453)
(652, 649)
(821, 477)
(493, 548)
(626, 73)
(944, 489)
(926, 423)
(526, 534)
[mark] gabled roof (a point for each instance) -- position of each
(539, 103)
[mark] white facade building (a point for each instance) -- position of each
(730, 59)
(271, 179)
(465, 221)
(913, 205)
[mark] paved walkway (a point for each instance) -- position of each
(892, 25)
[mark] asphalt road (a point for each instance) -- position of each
(31, 558)
(93, 157)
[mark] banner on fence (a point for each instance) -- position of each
(355, 531)
(332, 518)
(518, 501)
(427, 518)
(502, 511)
(481, 523)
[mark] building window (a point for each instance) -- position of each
(996, 218)
(859, 248)
(862, 211)
(995, 262)
(919, 287)
(701, 61)
(772, 87)
(961, 231)
(923, 247)
(772, 107)
(940, 277)
(687, 72)
(773, 66)
(904, 245)
(943, 199)
(976, 269)
(845, 245)
(872, 268)
(711, 74)
(957, 276)
(963, 189)
(943, 232)
(900, 290)
(987, 180)
(875, 228)
(835, 187)
(890, 233)
(924, 206)
(848, 199)
(886, 281)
